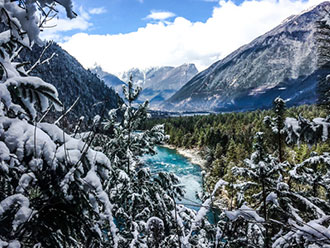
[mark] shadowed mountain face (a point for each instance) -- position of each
(71, 81)
(282, 62)
(110, 80)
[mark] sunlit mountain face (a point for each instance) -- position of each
(282, 62)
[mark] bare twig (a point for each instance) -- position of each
(45, 114)
(16, 53)
(67, 111)
(39, 62)
(47, 18)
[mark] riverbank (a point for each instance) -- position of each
(193, 155)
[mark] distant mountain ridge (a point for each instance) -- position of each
(158, 83)
(282, 62)
(71, 81)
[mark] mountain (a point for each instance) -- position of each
(71, 81)
(110, 80)
(160, 83)
(282, 62)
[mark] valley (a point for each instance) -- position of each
(234, 155)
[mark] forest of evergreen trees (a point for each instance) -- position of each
(227, 138)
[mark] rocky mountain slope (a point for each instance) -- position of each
(282, 62)
(71, 81)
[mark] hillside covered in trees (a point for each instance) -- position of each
(71, 80)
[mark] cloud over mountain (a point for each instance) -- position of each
(183, 41)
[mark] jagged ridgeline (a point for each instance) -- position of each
(71, 81)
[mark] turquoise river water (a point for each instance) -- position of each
(169, 160)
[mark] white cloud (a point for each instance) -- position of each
(160, 15)
(63, 24)
(97, 11)
(182, 41)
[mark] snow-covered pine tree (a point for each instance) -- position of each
(302, 130)
(144, 202)
(308, 222)
(138, 196)
(307, 212)
(276, 124)
(323, 49)
(259, 180)
(51, 185)
(296, 216)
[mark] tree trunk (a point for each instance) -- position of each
(265, 213)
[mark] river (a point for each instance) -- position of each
(169, 160)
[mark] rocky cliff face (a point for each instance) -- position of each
(282, 62)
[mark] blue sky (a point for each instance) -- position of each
(121, 34)
(123, 16)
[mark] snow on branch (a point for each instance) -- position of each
(302, 130)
